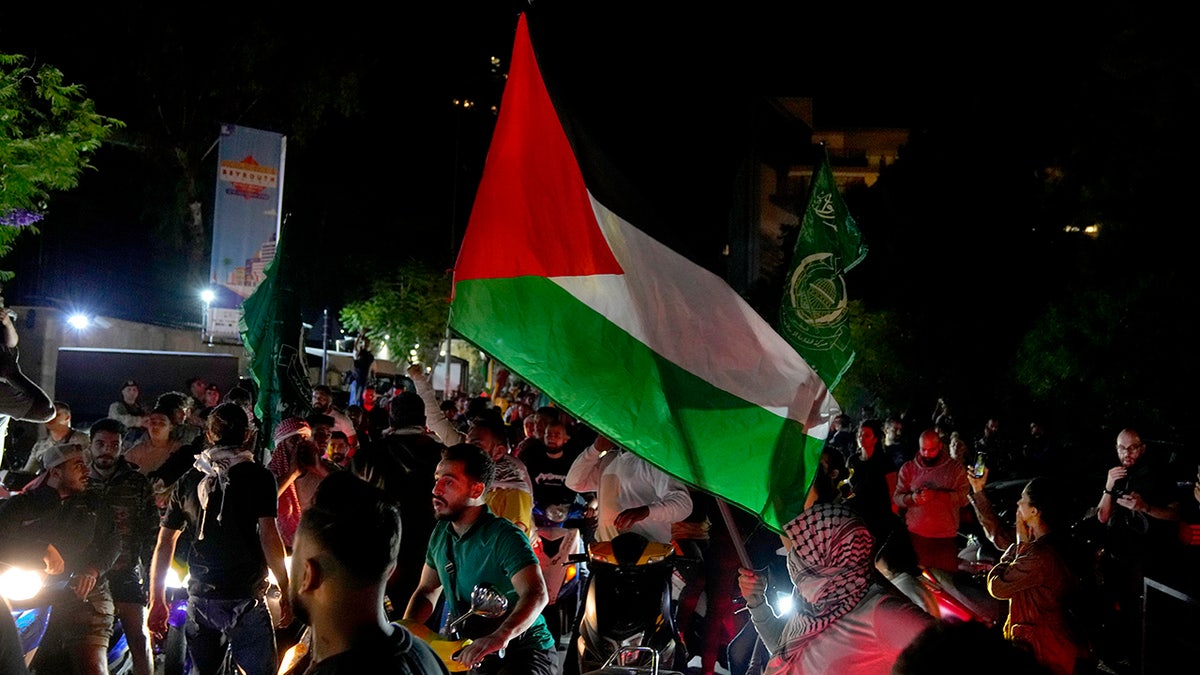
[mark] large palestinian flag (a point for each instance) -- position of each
(648, 348)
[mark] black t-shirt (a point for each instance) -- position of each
(228, 562)
(872, 499)
(549, 474)
(81, 527)
(362, 367)
(399, 653)
(1132, 534)
(402, 465)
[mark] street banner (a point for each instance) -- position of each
(645, 346)
(271, 330)
(246, 221)
(814, 314)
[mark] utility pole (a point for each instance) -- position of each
(325, 346)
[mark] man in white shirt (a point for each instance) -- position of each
(632, 494)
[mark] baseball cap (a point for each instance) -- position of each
(130, 383)
(57, 454)
(290, 427)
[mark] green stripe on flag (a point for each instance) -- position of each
(676, 420)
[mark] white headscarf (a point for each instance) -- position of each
(215, 463)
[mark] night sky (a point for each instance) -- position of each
(381, 165)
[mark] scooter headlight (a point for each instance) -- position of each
(18, 584)
(174, 580)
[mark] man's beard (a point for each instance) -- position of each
(445, 512)
(298, 608)
(104, 471)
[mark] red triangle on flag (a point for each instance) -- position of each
(532, 215)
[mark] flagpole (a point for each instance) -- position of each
(734, 535)
(446, 395)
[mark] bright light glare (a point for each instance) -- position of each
(783, 604)
(174, 580)
(17, 584)
(207, 295)
(287, 564)
(79, 321)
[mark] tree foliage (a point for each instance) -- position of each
(880, 377)
(49, 130)
(410, 306)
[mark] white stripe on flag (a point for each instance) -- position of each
(694, 319)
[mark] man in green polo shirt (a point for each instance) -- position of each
(470, 545)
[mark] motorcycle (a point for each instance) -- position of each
(31, 596)
(626, 624)
(963, 596)
(173, 649)
(555, 546)
(486, 602)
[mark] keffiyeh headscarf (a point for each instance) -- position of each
(215, 463)
(830, 566)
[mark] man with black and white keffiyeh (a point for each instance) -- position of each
(227, 501)
(842, 622)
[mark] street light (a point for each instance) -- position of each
(79, 321)
(207, 296)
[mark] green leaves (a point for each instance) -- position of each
(48, 132)
(410, 306)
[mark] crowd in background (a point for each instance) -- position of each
(893, 499)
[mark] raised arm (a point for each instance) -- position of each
(434, 419)
(584, 474)
(1000, 536)
(19, 396)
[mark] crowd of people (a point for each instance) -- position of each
(1069, 570)
(395, 510)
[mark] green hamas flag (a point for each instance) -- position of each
(271, 331)
(813, 315)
